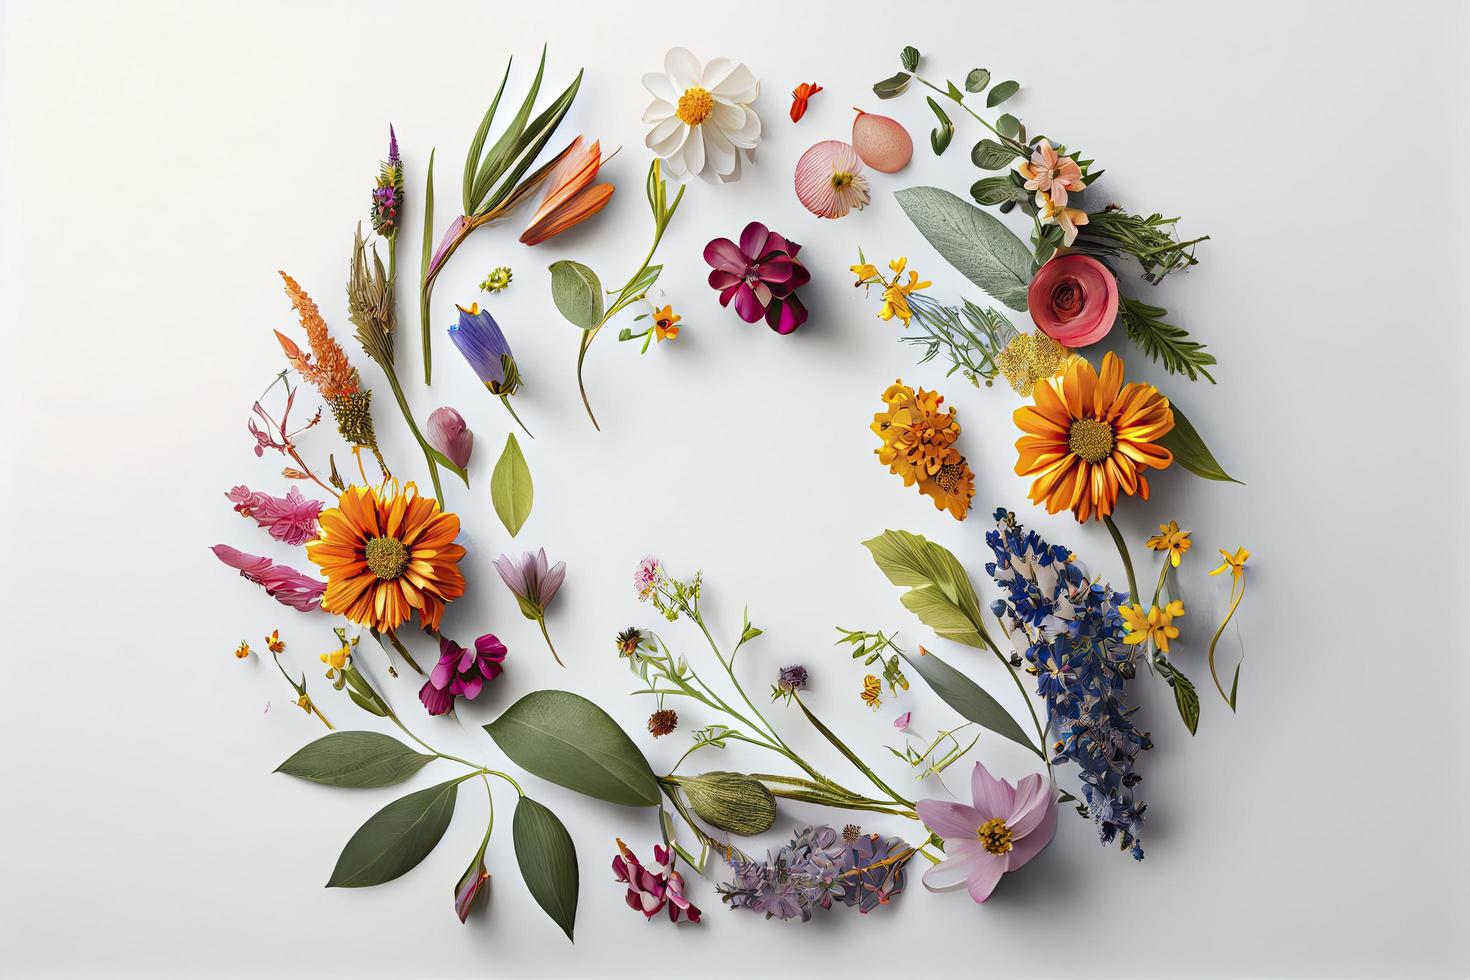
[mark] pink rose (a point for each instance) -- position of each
(1074, 300)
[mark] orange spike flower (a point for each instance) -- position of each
(571, 196)
(330, 372)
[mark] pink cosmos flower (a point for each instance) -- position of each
(1049, 175)
(1073, 299)
(651, 889)
(461, 673)
(286, 585)
(1005, 827)
(291, 518)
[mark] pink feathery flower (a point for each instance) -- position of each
(291, 518)
(1003, 828)
(646, 577)
(286, 585)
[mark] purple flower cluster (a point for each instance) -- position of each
(817, 868)
(388, 191)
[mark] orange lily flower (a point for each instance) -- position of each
(571, 196)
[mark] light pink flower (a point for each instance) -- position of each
(1063, 217)
(1050, 175)
(286, 585)
(902, 721)
(291, 518)
(646, 578)
(830, 180)
(447, 433)
(535, 583)
(1005, 827)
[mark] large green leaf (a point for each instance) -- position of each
(357, 759)
(566, 739)
(968, 698)
(511, 490)
(577, 293)
(396, 838)
(548, 861)
(940, 591)
(976, 243)
(1190, 450)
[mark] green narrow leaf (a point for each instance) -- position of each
(1190, 450)
(511, 490)
(356, 759)
(477, 144)
(1001, 92)
(1186, 698)
(1235, 684)
(940, 136)
(512, 189)
(548, 861)
(396, 838)
(568, 740)
(909, 57)
(940, 593)
(990, 155)
(1165, 343)
(428, 245)
(977, 80)
(892, 87)
(577, 293)
(504, 151)
(970, 700)
(976, 243)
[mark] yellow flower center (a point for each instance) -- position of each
(841, 179)
(1092, 439)
(994, 836)
(386, 557)
(695, 105)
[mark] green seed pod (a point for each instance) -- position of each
(731, 801)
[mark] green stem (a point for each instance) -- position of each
(418, 436)
(1123, 553)
(403, 652)
(1035, 719)
(848, 753)
(505, 400)
(542, 623)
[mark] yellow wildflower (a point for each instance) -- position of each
(666, 324)
(243, 650)
(274, 642)
(1172, 540)
(337, 659)
(1156, 624)
(1235, 562)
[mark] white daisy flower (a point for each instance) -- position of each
(703, 120)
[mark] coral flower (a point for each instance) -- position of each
(1063, 217)
(386, 555)
(1074, 300)
(571, 194)
(1089, 436)
(1004, 827)
(830, 181)
(1049, 175)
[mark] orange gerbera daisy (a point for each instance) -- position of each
(385, 555)
(1089, 436)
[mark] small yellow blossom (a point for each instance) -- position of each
(1172, 540)
(337, 659)
(243, 650)
(274, 642)
(872, 692)
(866, 272)
(1156, 624)
(1235, 563)
(895, 291)
(666, 324)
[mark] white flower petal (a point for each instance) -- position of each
(718, 151)
(661, 138)
(683, 68)
(658, 110)
(739, 85)
(693, 152)
(715, 73)
(661, 86)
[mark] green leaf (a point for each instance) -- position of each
(1186, 698)
(939, 138)
(1190, 450)
(1007, 125)
(568, 740)
(477, 144)
(1001, 92)
(969, 699)
(910, 57)
(1235, 684)
(983, 249)
(577, 293)
(990, 155)
(548, 861)
(499, 158)
(940, 593)
(357, 759)
(511, 490)
(891, 87)
(997, 190)
(396, 838)
(1165, 343)
(977, 80)
(953, 92)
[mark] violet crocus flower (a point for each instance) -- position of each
(448, 433)
(286, 585)
(535, 584)
(461, 673)
(650, 890)
(1003, 828)
(292, 518)
(761, 275)
(479, 338)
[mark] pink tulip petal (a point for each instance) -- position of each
(747, 305)
(753, 239)
(725, 256)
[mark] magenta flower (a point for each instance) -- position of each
(448, 434)
(461, 673)
(291, 518)
(286, 585)
(651, 890)
(761, 275)
(1005, 827)
(535, 585)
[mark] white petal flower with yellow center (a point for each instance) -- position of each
(703, 120)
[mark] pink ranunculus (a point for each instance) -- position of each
(1074, 300)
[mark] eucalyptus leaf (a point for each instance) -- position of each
(940, 136)
(577, 293)
(940, 593)
(1001, 92)
(356, 759)
(970, 700)
(977, 80)
(997, 190)
(892, 87)
(1190, 450)
(910, 57)
(548, 861)
(568, 740)
(511, 490)
(990, 155)
(396, 838)
(983, 249)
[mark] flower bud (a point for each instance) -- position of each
(448, 434)
(731, 801)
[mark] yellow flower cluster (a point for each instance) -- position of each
(895, 290)
(919, 446)
(1156, 624)
(1029, 358)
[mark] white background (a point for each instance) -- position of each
(161, 161)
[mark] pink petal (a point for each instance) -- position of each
(725, 255)
(1032, 797)
(1026, 848)
(747, 305)
(952, 821)
(753, 239)
(993, 797)
(958, 866)
(986, 876)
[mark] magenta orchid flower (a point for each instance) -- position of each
(761, 275)
(286, 585)
(650, 890)
(1003, 828)
(535, 584)
(461, 673)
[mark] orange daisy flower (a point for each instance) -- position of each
(385, 555)
(1090, 436)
